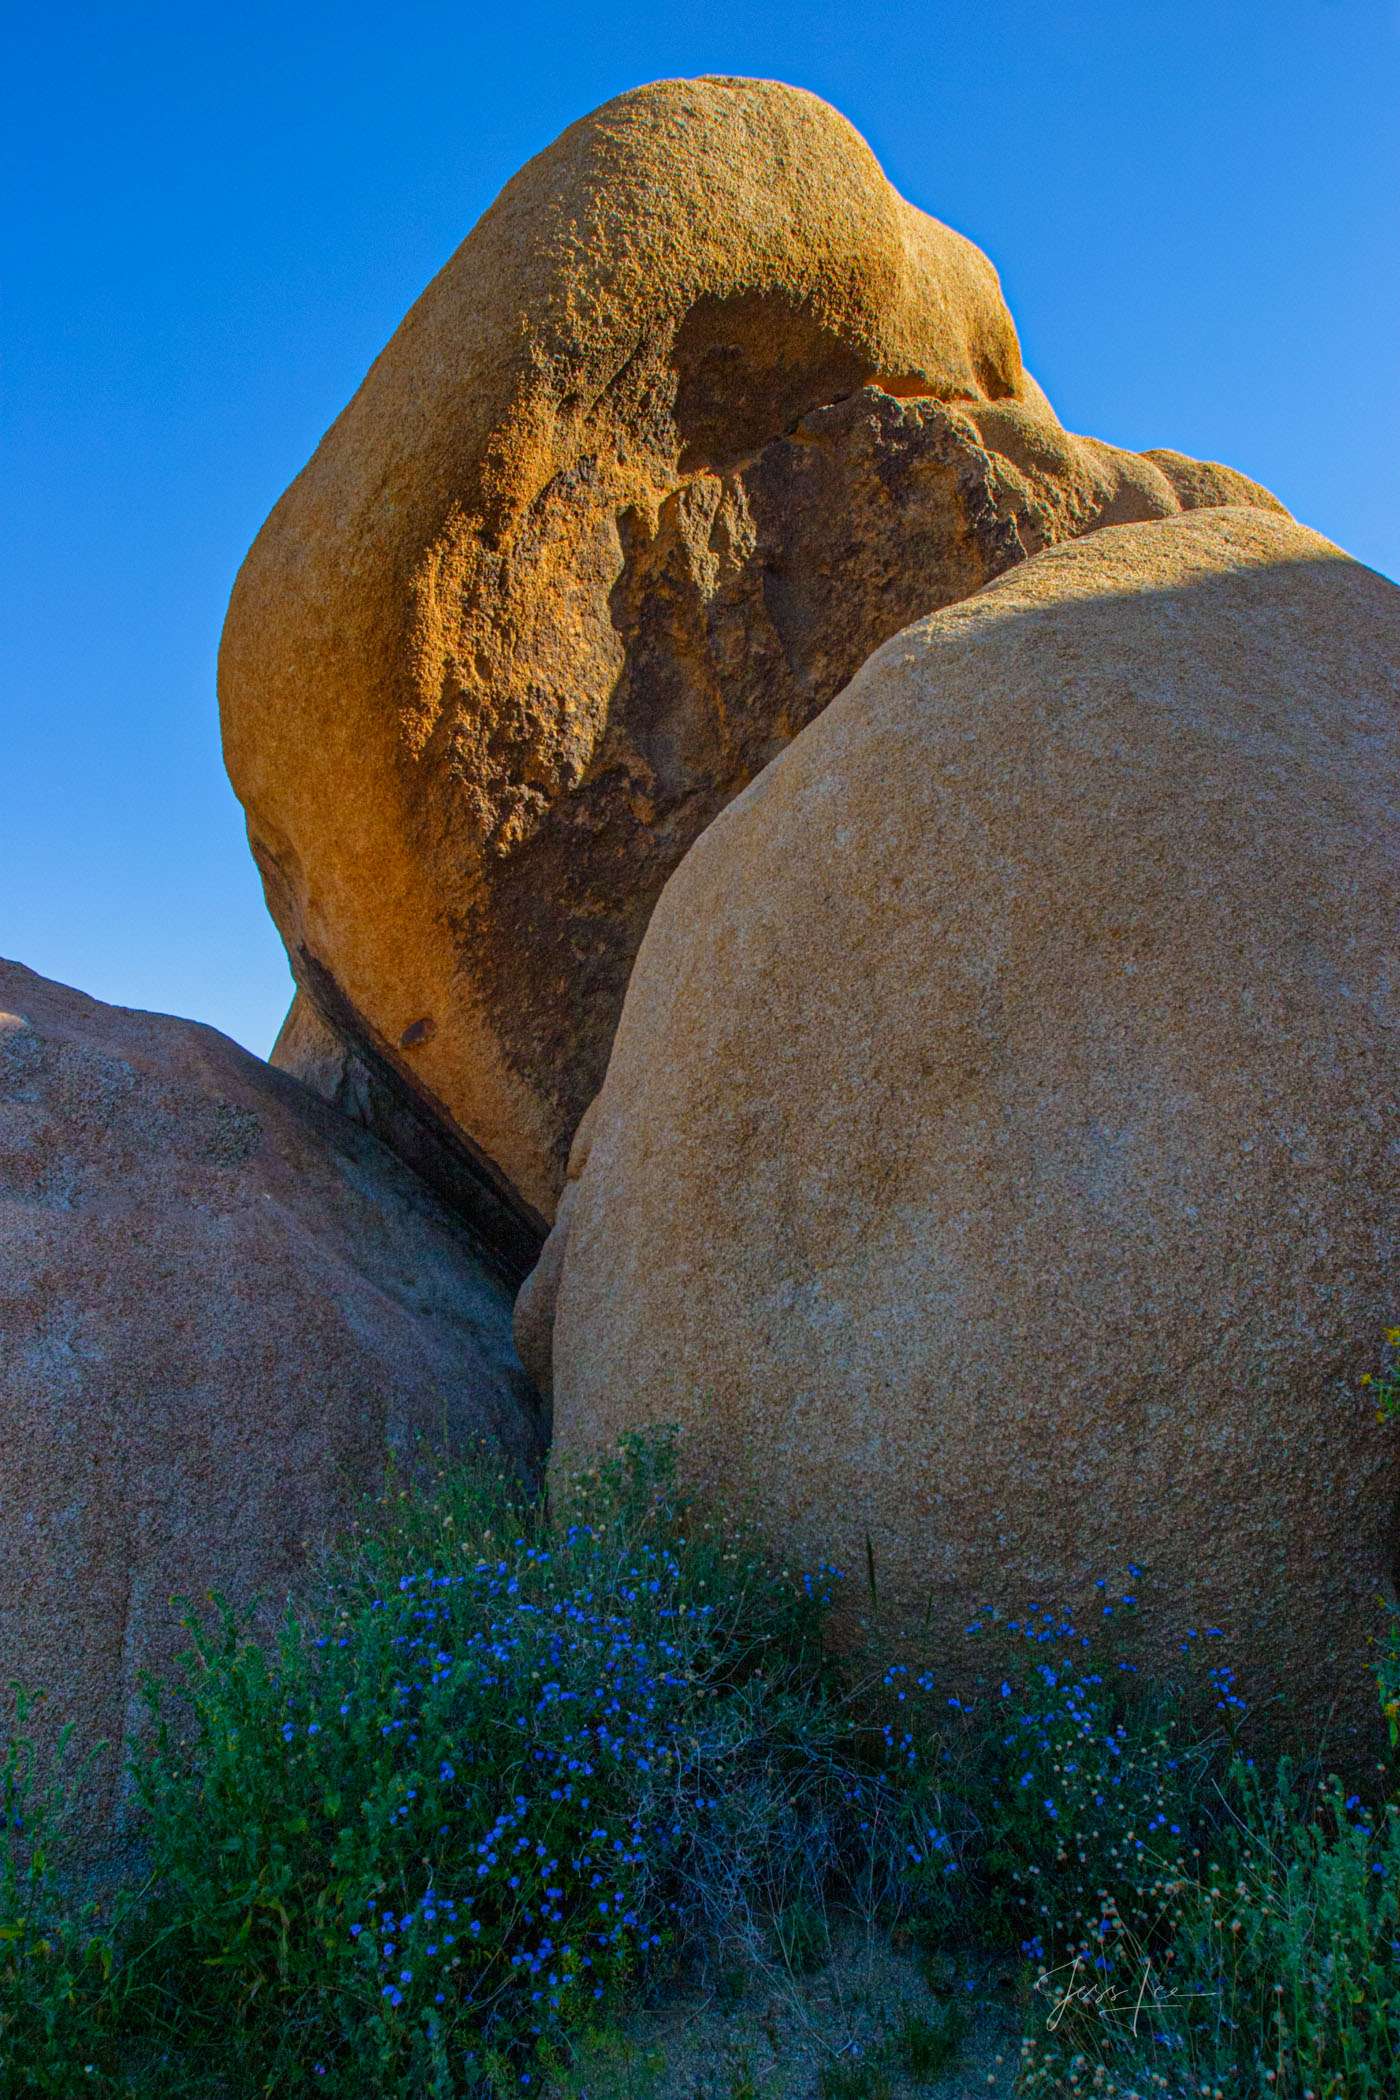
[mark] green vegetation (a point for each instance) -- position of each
(927, 2046)
(521, 1767)
(852, 2081)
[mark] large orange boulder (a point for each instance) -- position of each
(999, 1158)
(700, 413)
(223, 1309)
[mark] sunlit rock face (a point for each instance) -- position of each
(699, 414)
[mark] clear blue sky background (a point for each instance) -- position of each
(215, 216)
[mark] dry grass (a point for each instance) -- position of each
(866, 2026)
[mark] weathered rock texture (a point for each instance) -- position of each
(1000, 1153)
(700, 413)
(221, 1307)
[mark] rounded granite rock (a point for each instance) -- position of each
(224, 1310)
(999, 1158)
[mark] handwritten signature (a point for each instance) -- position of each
(1102, 1997)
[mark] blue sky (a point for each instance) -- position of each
(215, 217)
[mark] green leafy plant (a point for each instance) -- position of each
(515, 1761)
(926, 2045)
(1283, 1973)
(803, 1935)
(519, 1761)
(58, 1997)
(848, 2078)
(1054, 1810)
(1385, 1383)
(1385, 1386)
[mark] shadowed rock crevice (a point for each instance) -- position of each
(332, 1049)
